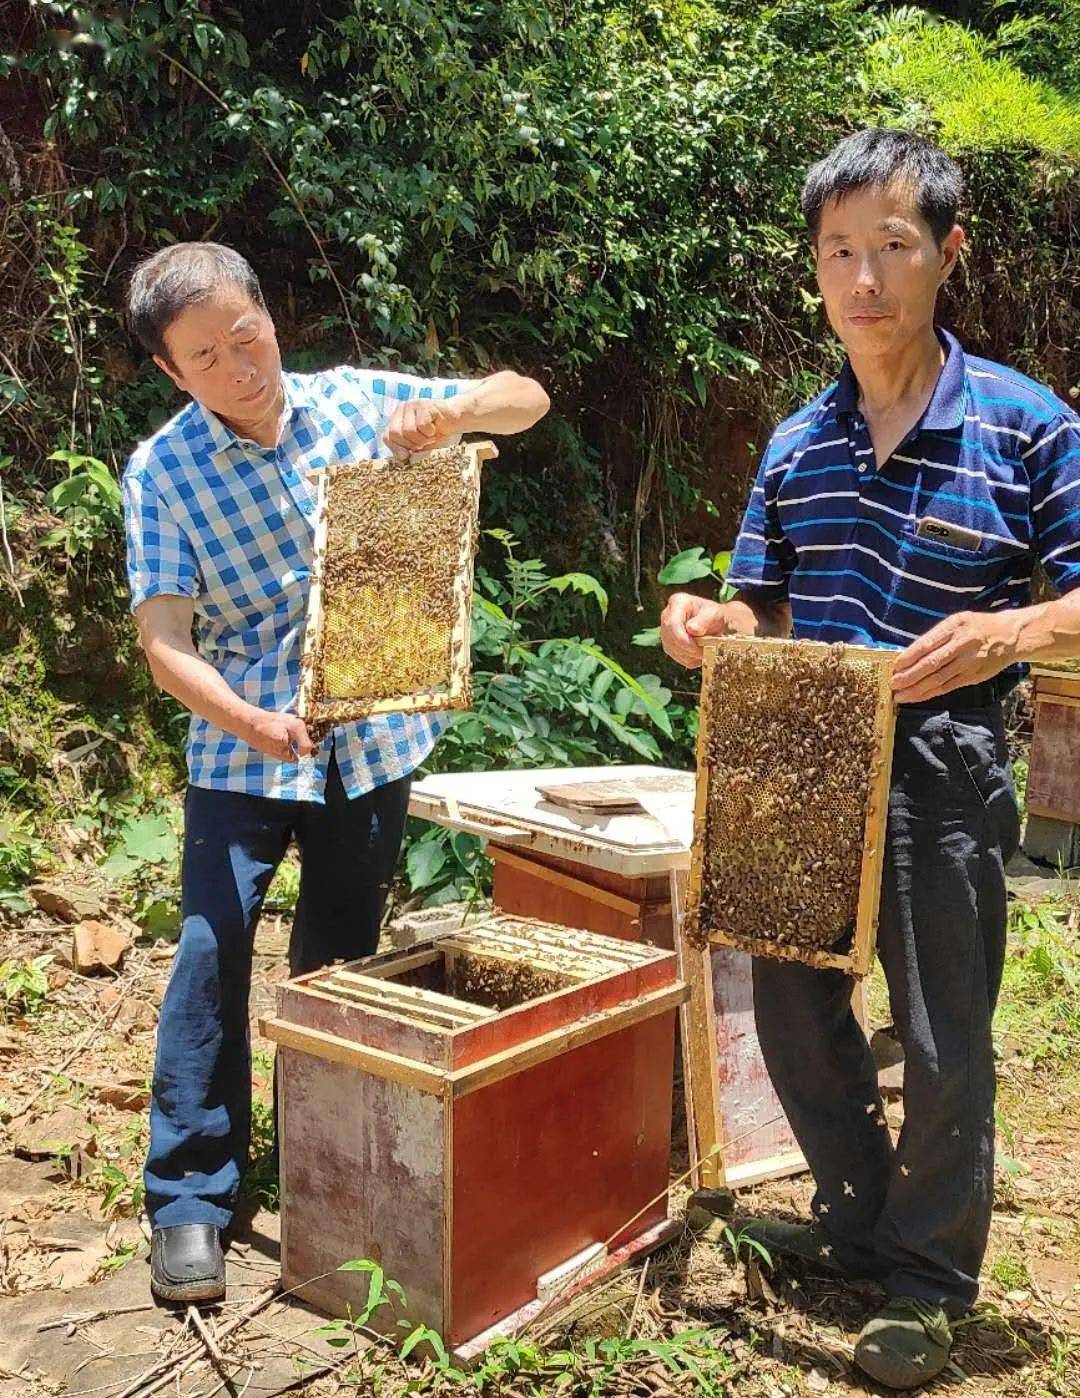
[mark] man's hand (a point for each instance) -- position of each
(964, 649)
(686, 621)
(422, 424)
(282, 736)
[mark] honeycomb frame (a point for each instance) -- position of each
(861, 897)
(382, 691)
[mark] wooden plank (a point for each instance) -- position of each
(397, 965)
(877, 814)
(392, 993)
(306, 698)
(555, 1158)
(378, 1062)
(701, 1078)
(563, 1040)
(768, 1167)
(569, 882)
(363, 1175)
(613, 797)
(1054, 767)
(1065, 700)
(427, 1018)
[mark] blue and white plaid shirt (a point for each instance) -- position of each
(230, 524)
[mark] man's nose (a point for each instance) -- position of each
(243, 368)
(868, 281)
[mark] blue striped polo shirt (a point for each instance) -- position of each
(837, 537)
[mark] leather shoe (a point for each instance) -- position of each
(186, 1263)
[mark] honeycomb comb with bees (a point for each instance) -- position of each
(794, 758)
(391, 590)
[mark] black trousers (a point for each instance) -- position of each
(917, 1217)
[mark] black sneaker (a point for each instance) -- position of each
(186, 1263)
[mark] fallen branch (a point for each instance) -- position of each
(89, 1317)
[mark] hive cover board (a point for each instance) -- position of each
(391, 589)
(794, 758)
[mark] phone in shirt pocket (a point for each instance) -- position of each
(940, 531)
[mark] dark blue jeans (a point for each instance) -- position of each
(200, 1115)
(916, 1217)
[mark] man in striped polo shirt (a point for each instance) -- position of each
(907, 506)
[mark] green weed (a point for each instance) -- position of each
(24, 987)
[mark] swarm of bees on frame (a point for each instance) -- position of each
(390, 581)
(789, 745)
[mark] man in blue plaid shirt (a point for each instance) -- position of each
(219, 510)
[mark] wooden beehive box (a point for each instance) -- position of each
(1053, 789)
(474, 1114)
(794, 762)
(391, 586)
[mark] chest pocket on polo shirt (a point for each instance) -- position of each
(937, 560)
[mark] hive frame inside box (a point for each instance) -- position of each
(457, 694)
(858, 961)
(450, 1050)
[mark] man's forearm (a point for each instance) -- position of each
(1050, 630)
(183, 673)
(503, 404)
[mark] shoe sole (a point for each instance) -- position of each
(208, 1290)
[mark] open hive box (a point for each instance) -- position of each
(486, 1116)
(794, 762)
(391, 588)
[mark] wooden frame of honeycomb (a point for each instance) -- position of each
(390, 605)
(794, 763)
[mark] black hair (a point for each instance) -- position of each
(877, 157)
(179, 276)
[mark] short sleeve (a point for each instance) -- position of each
(160, 558)
(763, 560)
(1053, 465)
(388, 389)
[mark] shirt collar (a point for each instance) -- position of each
(222, 437)
(944, 412)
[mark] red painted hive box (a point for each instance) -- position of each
(482, 1115)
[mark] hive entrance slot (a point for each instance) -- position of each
(494, 982)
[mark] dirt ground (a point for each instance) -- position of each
(76, 1317)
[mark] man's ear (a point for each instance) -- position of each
(166, 368)
(950, 250)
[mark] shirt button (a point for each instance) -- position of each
(862, 467)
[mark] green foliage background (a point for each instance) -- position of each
(603, 194)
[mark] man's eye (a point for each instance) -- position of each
(842, 252)
(207, 364)
(893, 245)
(249, 339)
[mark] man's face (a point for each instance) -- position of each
(224, 352)
(879, 268)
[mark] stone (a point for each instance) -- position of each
(891, 1082)
(54, 1134)
(131, 1095)
(97, 948)
(67, 901)
(11, 1041)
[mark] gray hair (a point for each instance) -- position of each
(176, 277)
